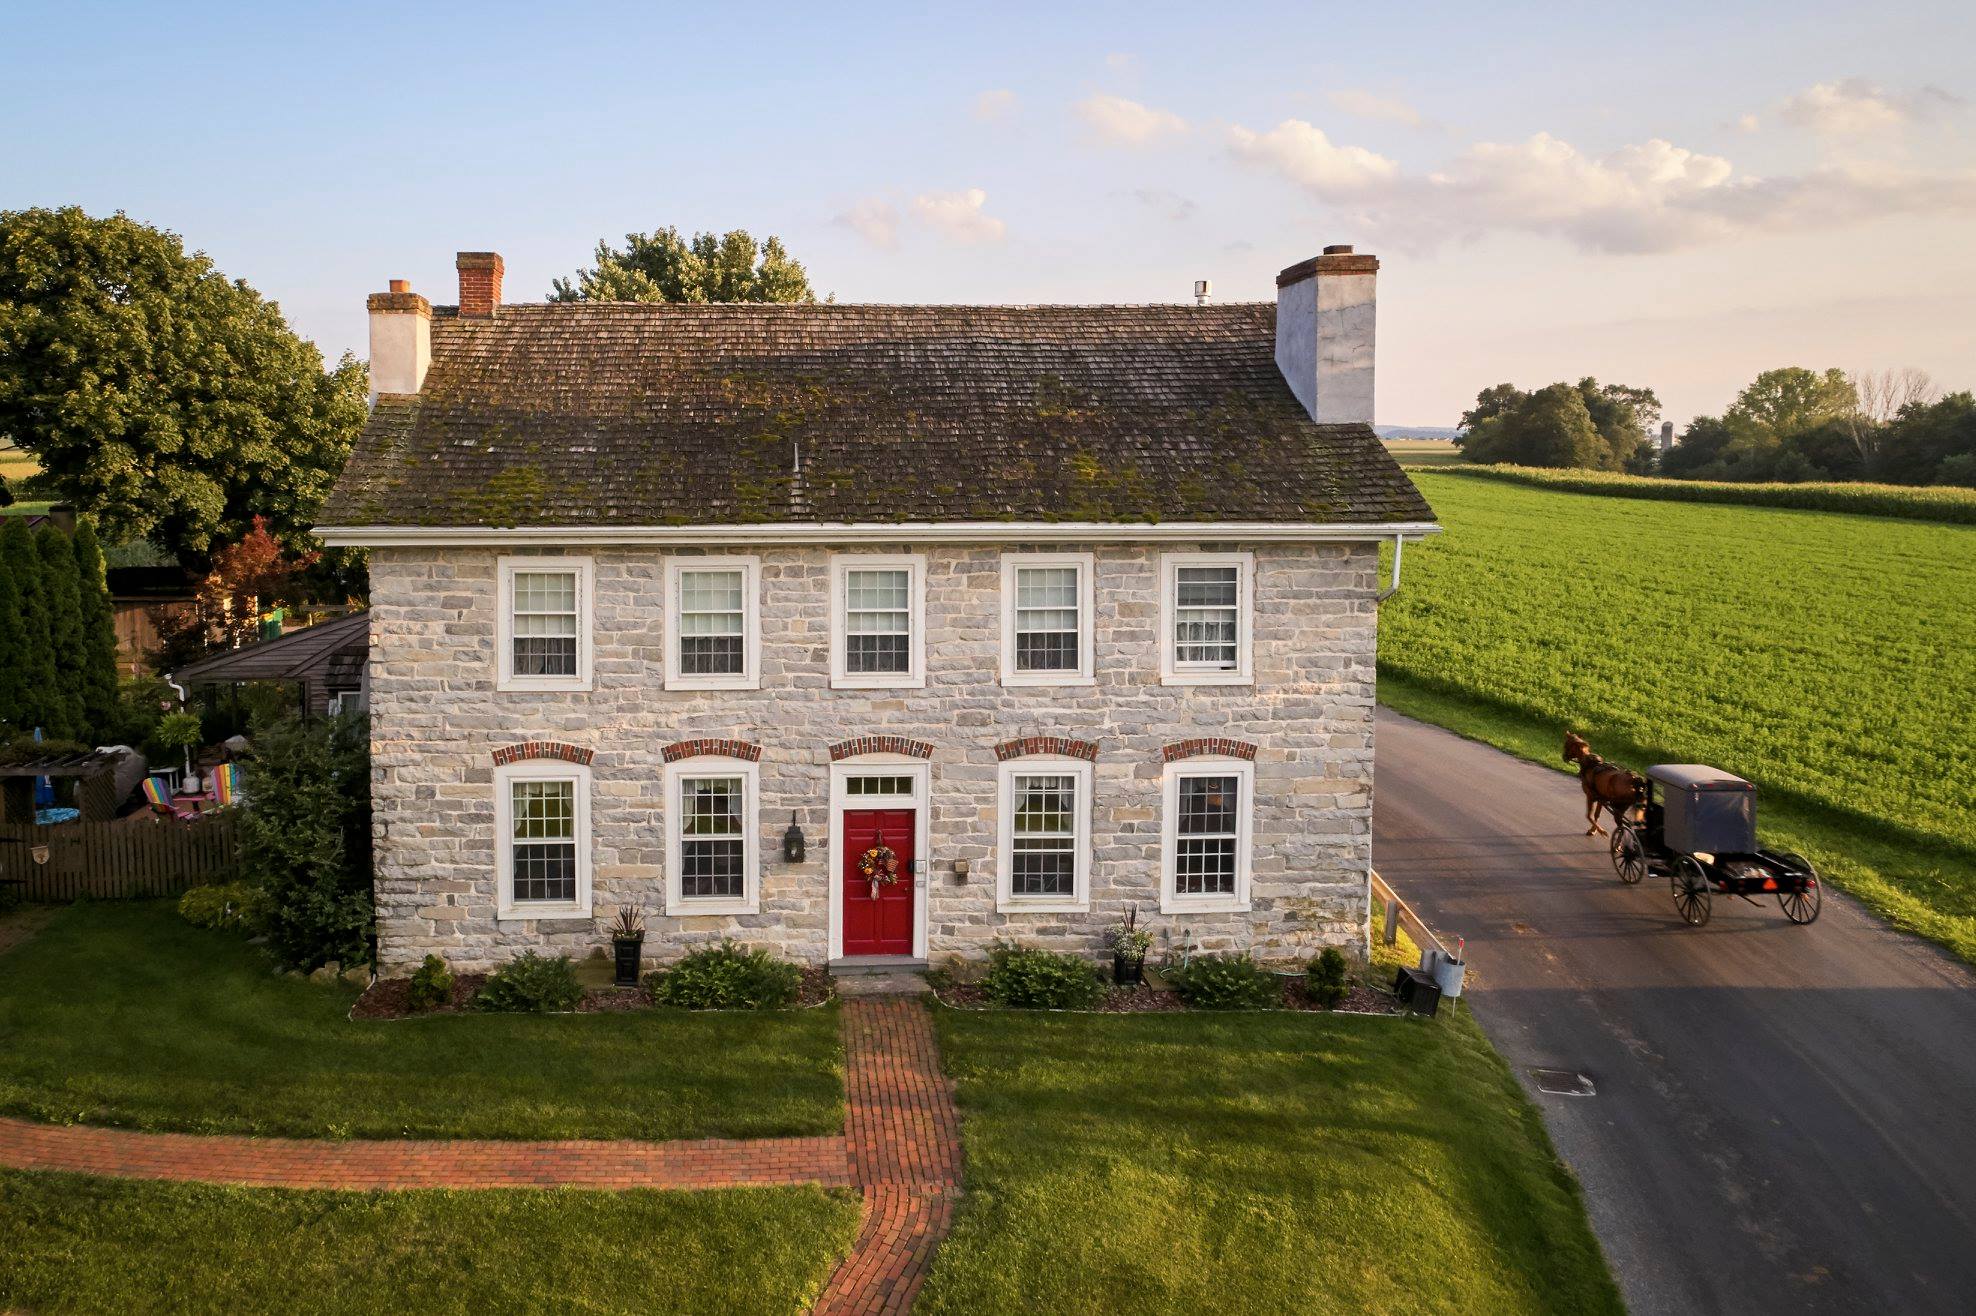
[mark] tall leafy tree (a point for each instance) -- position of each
(36, 661)
(1792, 398)
(168, 401)
(307, 841)
(63, 589)
(99, 636)
(1588, 424)
(13, 652)
(665, 267)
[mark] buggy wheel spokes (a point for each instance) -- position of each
(1629, 855)
(1692, 897)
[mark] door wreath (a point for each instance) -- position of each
(879, 865)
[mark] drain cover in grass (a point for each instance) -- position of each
(1564, 1082)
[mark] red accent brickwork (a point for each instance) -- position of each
(542, 749)
(732, 749)
(1187, 749)
(844, 749)
(300, 1163)
(905, 1151)
(480, 283)
(1076, 749)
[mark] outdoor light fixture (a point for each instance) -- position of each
(792, 842)
(960, 870)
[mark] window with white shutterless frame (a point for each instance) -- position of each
(878, 621)
(1207, 618)
(1043, 843)
(713, 836)
(713, 623)
(1048, 617)
(542, 623)
(1207, 825)
(542, 839)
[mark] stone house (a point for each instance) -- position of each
(872, 631)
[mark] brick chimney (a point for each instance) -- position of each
(1324, 321)
(480, 283)
(400, 340)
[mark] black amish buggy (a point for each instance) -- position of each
(1697, 828)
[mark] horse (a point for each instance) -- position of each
(1604, 783)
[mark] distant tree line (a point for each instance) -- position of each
(1588, 425)
(58, 636)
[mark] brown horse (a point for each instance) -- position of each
(1604, 783)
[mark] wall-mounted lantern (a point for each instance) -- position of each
(960, 870)
(792, 842)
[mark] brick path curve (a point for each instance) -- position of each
(901, 1149)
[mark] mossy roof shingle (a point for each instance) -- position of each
(599, 414)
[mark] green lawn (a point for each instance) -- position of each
(77, 1244)
(1829, 658)
(121, 1013)
(1260, 1163)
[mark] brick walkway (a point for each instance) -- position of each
(901, 1148)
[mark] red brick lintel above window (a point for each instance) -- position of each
(845, 749)
(1063, 745)
(732, 749)
(1216, 745)
(542, 749)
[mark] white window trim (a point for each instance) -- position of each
(504, 623)
(1171, 901)
(750, 676)
(914, 677)
(1171, 672)
(1053, 765)
(505, 776)
(1086, 612)
(715, 765)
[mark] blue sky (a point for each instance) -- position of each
(1677, 196)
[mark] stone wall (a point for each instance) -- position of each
(437, 719)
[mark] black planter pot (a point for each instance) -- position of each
(1128, 972)
(627, 961)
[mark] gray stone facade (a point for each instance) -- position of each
(437, 720)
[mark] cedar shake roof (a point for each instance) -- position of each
(621, 414)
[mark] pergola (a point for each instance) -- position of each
(96, 796)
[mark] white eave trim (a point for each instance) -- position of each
(941, 532)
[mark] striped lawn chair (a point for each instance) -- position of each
(226, 785)
(161, 800)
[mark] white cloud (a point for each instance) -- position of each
(1128, 122)
(990, 106)
(959, 215)
(1854, 107)
(874, 219)
(1371, 105)
(1303, 154)
(1172, 205)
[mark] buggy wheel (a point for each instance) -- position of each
(1801, 906)
(1692, 897)
(1629, 854)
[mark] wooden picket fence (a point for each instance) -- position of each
(120, 860)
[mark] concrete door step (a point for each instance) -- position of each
(882, 984)
(856, 964)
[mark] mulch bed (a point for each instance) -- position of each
(390, 998)
(1158, 1000)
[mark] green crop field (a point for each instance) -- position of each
(1423, 452)
(1830, 658)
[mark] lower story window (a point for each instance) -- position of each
(1206, 841)
(543, 831)
(711, 836)
(1045, 834)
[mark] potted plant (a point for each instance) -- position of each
(628, 944)
(1129, 943)
(181, 731)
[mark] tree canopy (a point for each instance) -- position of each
(665, 267)
(1601, 426)
(164, 399)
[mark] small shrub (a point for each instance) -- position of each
(231, 905)
(432, 983)
(727, 977)
(1325, 977)
(1029, 979)
(533, 984)
(1225, 982)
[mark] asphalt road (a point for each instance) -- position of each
(1785, 1117)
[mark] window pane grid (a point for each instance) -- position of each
(712, 849)
(1044, 858)
(543, 855)
(878, 620)
(1205, 607)
(1046, 620)
(1204, 857)
(712, 622)
(545, 622)
(879, 786)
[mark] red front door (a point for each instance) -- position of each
(881, 923)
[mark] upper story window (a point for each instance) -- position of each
(1206, 618)
(1045, 835)
(878, 621)
(713, 623)
(1205, 846)
(542, 839)
(1047, 618)
(712, 835)
(543, 627)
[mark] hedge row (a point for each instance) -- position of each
(1954, 505)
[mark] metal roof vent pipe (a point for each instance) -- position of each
(1325, 313)
(1202, 291)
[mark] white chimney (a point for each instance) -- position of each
(1325, 309)
(400, 340)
